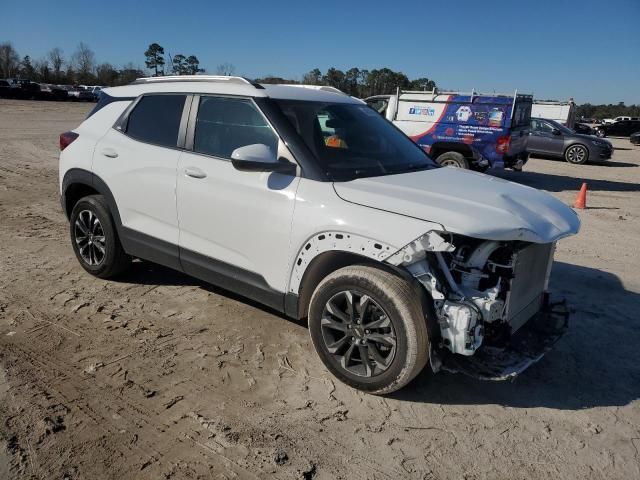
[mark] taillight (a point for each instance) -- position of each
(67, 139)
(502, 144)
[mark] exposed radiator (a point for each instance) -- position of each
(531, 271)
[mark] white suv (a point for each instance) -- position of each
(308, 201)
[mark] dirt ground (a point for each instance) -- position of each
(161, 376)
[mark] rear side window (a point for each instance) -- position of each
(224, 124)
(104, 100)
(521, 115)
(156, 119)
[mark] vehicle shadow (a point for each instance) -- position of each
(143, 272)
(595, 364)
(559, 183)
(599, 163)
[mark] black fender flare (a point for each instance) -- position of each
(135, 243)
(80, 176)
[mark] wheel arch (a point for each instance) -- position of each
(326, 252)
(78, 183)
(438, 148)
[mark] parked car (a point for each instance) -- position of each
(5, 89)
(635, 138)
(22, 88)
(52, 92)
(583, 129)
(77, 94)
(95, 91)
(304, 199)
(622, 128)
(470, 130)
(550, 138)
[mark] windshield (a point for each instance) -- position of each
(353, 141)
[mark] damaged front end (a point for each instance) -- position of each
(490, 299)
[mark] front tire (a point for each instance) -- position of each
(601, 133)
(453, 159)
(368, 327)
(95, 240)
(576, 154)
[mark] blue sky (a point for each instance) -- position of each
(555, 49)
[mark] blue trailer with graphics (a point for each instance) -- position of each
(466, 130)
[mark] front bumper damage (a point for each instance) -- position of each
(492, 317)
(526, 347)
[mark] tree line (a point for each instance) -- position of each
(82, 68)
(357, 82)
(599, 112)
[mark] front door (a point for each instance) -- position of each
(234, 225)
(543, 140)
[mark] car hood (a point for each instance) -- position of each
(590, 138)
(467, 203)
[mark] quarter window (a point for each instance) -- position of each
(224, 124)
(156, 119)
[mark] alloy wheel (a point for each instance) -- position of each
(358, 334)
(89, 237)
(576, 154)
(450, 163)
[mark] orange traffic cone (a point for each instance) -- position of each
(581, 198)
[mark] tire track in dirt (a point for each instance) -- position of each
(366, 466)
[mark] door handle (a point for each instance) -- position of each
(109, 152)
(194, 172)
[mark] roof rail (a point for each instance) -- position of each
(472, 93)
(554, 102)
(196, 78)
(324, 88)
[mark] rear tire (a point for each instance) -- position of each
(453, 159)
(576, 154)
(95, 240)
(362, 312)
(600, 133)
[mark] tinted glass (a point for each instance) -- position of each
(156, 119)
(224, 124)
(104, 100)
(521, 115)
(351, 140)
(379, 105)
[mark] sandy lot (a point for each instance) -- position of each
(161, 376)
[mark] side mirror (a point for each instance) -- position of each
(259, 158)
(555, 131)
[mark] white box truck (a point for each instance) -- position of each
(561, 112)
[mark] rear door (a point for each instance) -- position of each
(520, 124)
(234, 225)
(138, 160)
